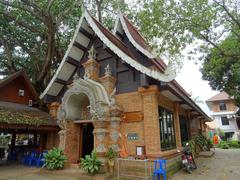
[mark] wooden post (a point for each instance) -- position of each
(13, 140)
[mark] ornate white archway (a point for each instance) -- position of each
(96, 93)
(106, 115)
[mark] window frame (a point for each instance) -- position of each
(222, 106)
(224, 118)
(167, 132)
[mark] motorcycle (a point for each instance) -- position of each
(187, 159)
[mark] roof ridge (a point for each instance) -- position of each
(135, 28)
(220, 96)
(110, 33)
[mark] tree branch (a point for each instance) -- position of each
(19, 22)
(213, 44)
(27, 8)
(50, 3)
(66, 12)
(228, 12)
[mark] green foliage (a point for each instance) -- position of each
(200, 143)
(223, 145)
(234, 144)
(91, 164)
(4, 140)
(42, 30)
(35, 34)
(111, 154)
(55, 159)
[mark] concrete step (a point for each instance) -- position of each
(206, 154)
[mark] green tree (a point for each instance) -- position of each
(223, 71)
(34, 34)
(211, 26)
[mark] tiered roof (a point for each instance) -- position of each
(86, 29)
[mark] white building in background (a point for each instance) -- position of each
(223, 113)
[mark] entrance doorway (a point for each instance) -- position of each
(87, 144)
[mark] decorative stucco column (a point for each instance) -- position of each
(151, 118)
(114, 127)
(100, 137)
(177, 125)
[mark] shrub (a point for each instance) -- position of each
(111, 154)
(223, 145)
(4, 141)
(234, 144)
(91, 164)
(55, 159)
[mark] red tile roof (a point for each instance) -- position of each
(219, 97)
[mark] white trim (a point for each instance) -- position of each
(64, 58)
(166, 77)
(150, 55)
(169, 71)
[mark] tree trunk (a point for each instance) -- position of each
(46, 69)
(99, 10)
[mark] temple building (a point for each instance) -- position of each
(110, 87)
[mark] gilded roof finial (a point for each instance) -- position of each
(92, 53)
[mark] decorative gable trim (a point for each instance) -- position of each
(166, 77)
(54, 88)
(120, 19)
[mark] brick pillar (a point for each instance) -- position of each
(151, 118)
(177, 125)
(53, 109)
(92, 67)
(108, 82)
(72, 142)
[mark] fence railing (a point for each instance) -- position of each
(134, 168)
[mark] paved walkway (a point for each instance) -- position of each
(224, 165)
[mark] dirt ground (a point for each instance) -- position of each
(224, 165)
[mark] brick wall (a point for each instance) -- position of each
(52, 140)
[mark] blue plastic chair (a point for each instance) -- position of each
(25, 158)
(40, 160)
(30, 158)
(160, 169)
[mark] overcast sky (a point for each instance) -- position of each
(190, 79)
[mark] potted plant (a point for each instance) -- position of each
(111, 154)
(55, 159)
(91, 164)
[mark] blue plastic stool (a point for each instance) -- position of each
(160, 169)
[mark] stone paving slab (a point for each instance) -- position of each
(223, 165)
